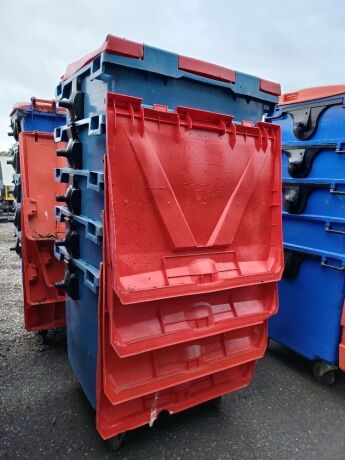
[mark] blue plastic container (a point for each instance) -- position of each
(311, 297)
(36, 116)
(313, 161)
(316, 232)
(319, 121)
(313, 197)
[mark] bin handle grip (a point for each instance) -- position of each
(338, 232)
(333, 267)
(43, 104)
(336, 192)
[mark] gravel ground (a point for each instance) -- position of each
(284, 414)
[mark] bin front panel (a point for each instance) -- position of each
(44, 305)
(38, 160)
(314, 197)
(310, 308)
(320, 233)
(137, 328)
(195, 201)
(324, 162)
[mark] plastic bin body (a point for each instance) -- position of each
(38, 115)
(310, 308)
(319, 121)
(311, 293)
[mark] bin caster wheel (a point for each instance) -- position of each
(324, 373)
(217, 402)
(214, 403)
(116, 442)
(43, 336)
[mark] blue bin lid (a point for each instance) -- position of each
(123, 47)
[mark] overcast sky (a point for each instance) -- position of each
(297, 43)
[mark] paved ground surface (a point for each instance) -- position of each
(284, 414)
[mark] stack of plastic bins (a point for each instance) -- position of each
(191, 255)
(312, 289)
(34, 160)
(38, 115)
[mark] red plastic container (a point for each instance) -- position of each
(192, 248)
(44, 305)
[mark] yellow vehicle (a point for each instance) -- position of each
(7, 193)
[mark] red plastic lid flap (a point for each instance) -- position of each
(309, 94)
(195, 201)
(112, 45)
(206, 69)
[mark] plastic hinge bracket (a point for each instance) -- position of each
(324, 264)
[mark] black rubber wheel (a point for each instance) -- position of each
(43, 336)
(116, 442)
(215, 403)
(328, 378)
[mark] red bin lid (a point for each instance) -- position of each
(309, 94)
